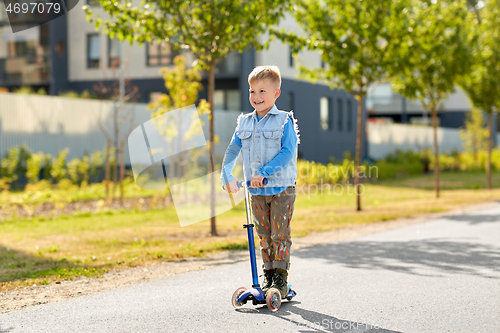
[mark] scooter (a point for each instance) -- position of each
(242, 295)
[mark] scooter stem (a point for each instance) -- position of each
(251, 243)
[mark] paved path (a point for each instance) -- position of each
(438, 276)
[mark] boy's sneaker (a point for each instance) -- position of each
(268, 280)
(280, 281)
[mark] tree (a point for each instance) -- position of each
(183, 86)
(432, 55)
(474, 136)
(119, 91)
(210, 29)
(354, 38)
(482, 84)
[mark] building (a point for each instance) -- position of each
(383, 103)
(67, 54)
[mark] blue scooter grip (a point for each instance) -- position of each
(264, 182)
(240, 184)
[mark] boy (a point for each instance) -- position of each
(268, 139)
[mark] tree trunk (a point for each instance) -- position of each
(122, 169)
(488, 161)
(117, 149)
(359, 137)
(211, 88)
(436, 150)
(107, 170)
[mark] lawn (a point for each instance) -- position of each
(44, 250)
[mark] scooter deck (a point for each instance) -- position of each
(257, 296)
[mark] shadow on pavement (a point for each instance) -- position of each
(313, 321)
(440, 256)
(474, 219)
(5, 330)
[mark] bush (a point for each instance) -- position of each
(386, 170)
(309, 172)
(73, 94)
(13, 165)
(400, 164)
(42, 185)
(66, 185)
(34, 166)
(26, 90)
(58, 170)
(96, 165)
(78, 170)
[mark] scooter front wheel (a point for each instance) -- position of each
(237, 295)
(273, 299)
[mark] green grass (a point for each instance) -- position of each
(43, 250)
(448, 181)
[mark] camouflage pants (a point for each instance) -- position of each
(272, 215)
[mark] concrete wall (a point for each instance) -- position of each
(49, 124)
(386, 138)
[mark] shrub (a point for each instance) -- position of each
(400, 163)
(66, 185)
(96, 165)
(34, 166)
(42, 185)
(13, 165)
(58, 170)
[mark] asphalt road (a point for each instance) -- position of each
(438, 276)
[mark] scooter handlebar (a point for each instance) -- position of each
(242, 184)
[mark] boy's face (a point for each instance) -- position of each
(263, 94)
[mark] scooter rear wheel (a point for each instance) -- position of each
(273, 299)
(237, 295)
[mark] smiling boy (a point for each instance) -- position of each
(268, 139)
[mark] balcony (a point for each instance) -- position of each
(29, 70)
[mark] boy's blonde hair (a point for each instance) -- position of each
(271, 73)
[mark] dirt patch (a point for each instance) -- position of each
(49, 209)
(28, 296)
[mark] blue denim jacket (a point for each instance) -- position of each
(269, 147)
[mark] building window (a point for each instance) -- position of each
(218, 100)
(229, 64)
(93, 51)
(290, 57)
(227, 100)
(160, 54)
(154, 95)
(291, 101)
(340, 112)
(322, 63)
(233, 100)
(325, 113)
(114, 53)
(349, 115)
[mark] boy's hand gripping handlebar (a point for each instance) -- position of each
(242, 184)
(247, 184)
